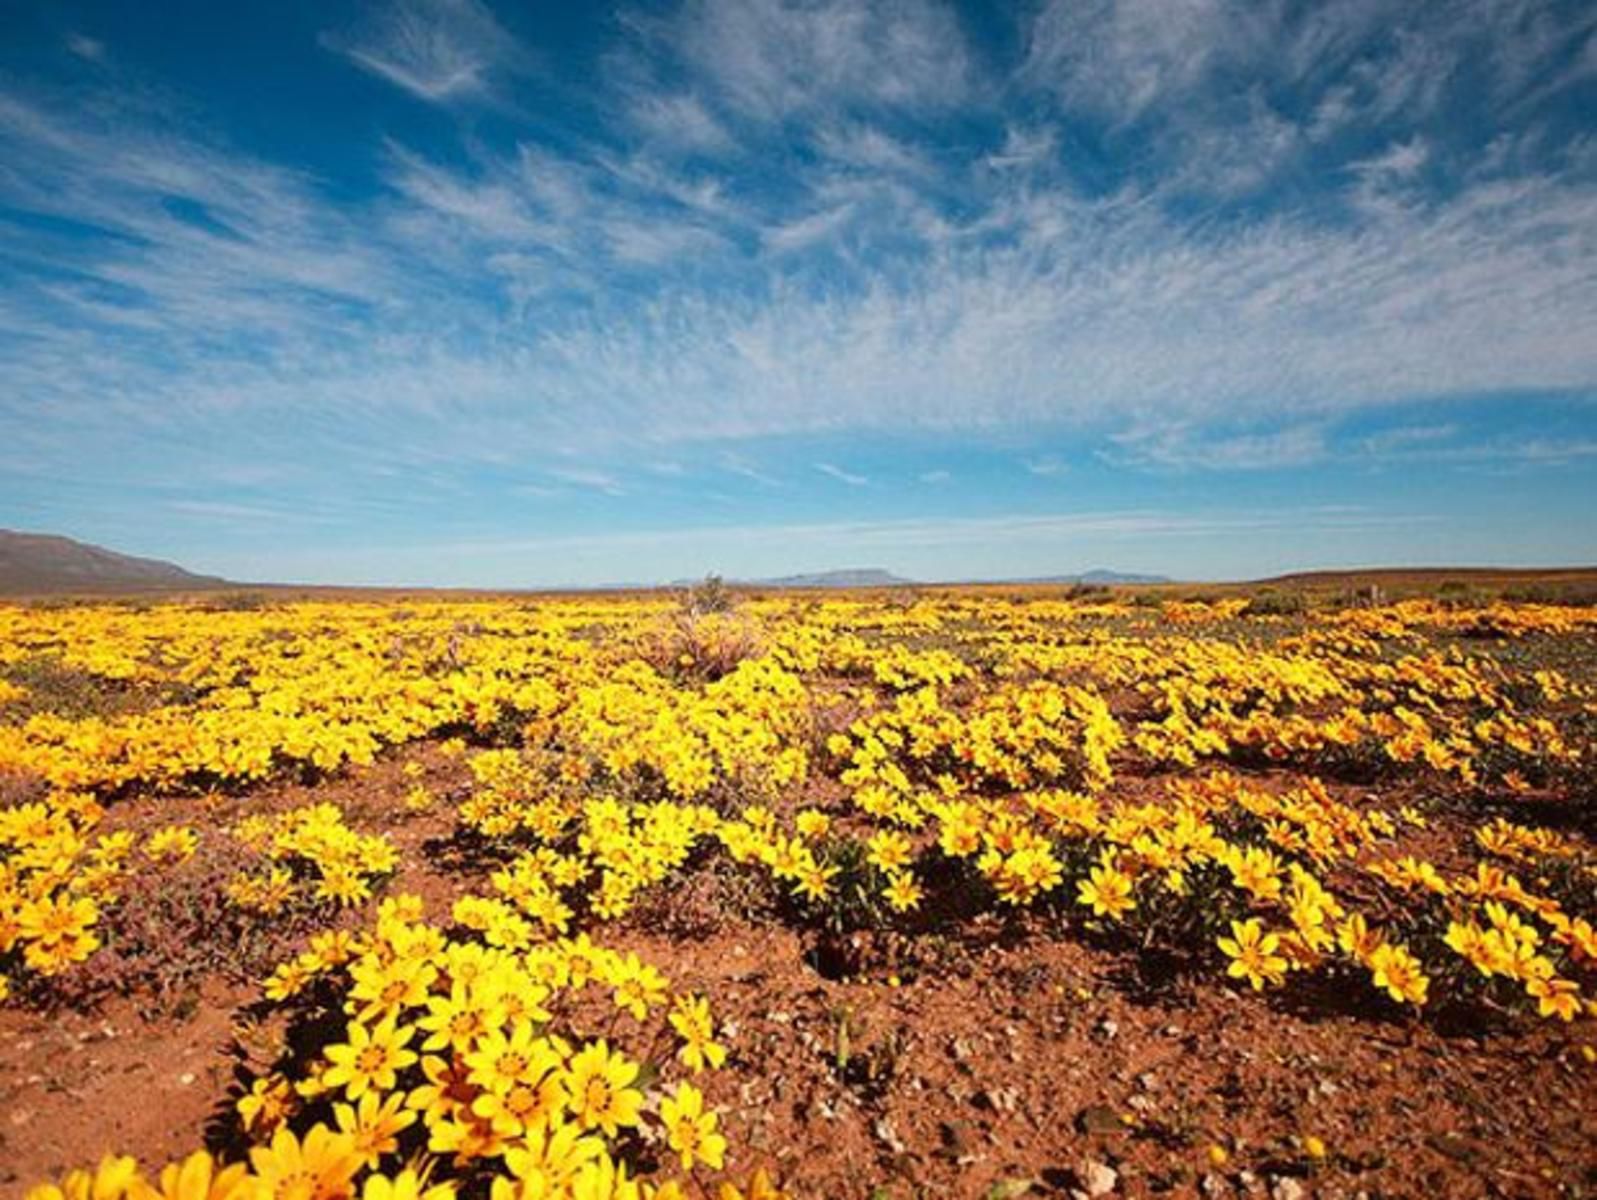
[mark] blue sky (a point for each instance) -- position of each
(444, 292)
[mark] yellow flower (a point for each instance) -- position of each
(1398, 972)
(1257, 872)
(523, 1107)
(1356, 938)
(55, 932)
(812, 823)
(552, 1153)
(320, 1168)
(196, 1178)
(902, 892)
(1107, 892)
(691, 1018)
(269, 1102)
(382, 988)
(454, 1021)
(375, 1124)
(760, 1188)
(113, 1179)
(638, 986)
(370, 1059)
(690, 1130)
(1555, 997)
(407, 1185)
(1253, 954)
(172, 844)
(604, 1179)
(888, 850)
(521, 1059)
(600, 1085)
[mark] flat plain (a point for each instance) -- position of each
(957, 892)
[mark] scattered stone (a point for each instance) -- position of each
(1453, 1146)
(1108, 1028)
(956, 1138)
(1009, 1189)
(888, 1135)
(186, 1078)
(1001, 1100)
(1212, 1185)
(1147, 1081)
(1286, 1188)
(1099, 1118)
(1097, 1178)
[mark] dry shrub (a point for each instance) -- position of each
(706, 636)
(172, 930)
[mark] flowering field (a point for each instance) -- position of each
(951, 894)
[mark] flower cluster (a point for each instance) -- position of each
(309, 853)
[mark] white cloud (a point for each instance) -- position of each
(803, 232)
(682, 121)
(438, 50)
(1119, 57)
(1401, 160)
(871, 149)
(886, 278)
(1180, 446)
(598, 481)
(736, 464)
(842, 476)
(1406, 438)
(775, 59)
(85, 47)
(1023, 147)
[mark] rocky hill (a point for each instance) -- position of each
(41, 563)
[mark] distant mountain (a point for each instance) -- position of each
(848, 577)
(1098, 576)
(37, 563)
(869, 577)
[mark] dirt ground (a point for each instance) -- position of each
(1017, 1060)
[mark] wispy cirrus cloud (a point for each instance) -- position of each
(85, 47)
(437, 50)
(793, 219)
(774, 60)
(833, 471)
(598, 481)
(1181, 446)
